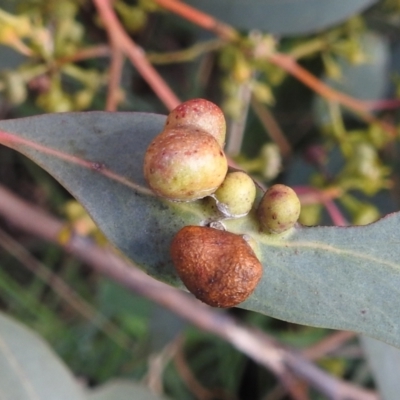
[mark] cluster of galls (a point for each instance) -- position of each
(186, 162)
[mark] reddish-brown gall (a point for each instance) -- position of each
(184, 164)
(202, 114)
(279, 209)
(218, 267)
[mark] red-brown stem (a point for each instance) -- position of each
(83, 54)
(290, 65)
(310, 195)
(135, 54)
(284, 61)
(115, 71)
(200, 18)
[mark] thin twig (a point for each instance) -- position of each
(115, 72)
(272, 127)
(287, 62)
(238, 125)
(311, 195)
(192, 383)
(118, 37)
(200, 18)
(328, 344)
(158, 363)
(195, 387)
(314, 352)
(290, 65)
(101, 50)
(336, 215)
(19, 45)
(284, 363)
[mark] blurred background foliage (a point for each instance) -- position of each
(343, 161)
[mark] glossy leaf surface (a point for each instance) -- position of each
(282, 17)
(336, 277)
(30, 370)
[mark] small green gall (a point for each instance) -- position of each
(184, 164)
(236, 195)
(202, 114)
(279, 209)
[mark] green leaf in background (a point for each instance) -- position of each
(282, 17)
(368, 80)
(147, 318)
(122, 390)
(334, 277)
(30, 370)
(385, 362)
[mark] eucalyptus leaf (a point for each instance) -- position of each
(334, 277)
(368, 80)
(30, 370)
(385, 364)
(122, 390)
(282, 17)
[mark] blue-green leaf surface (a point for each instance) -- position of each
(29, 369)
(335, 277)
(282, 17)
